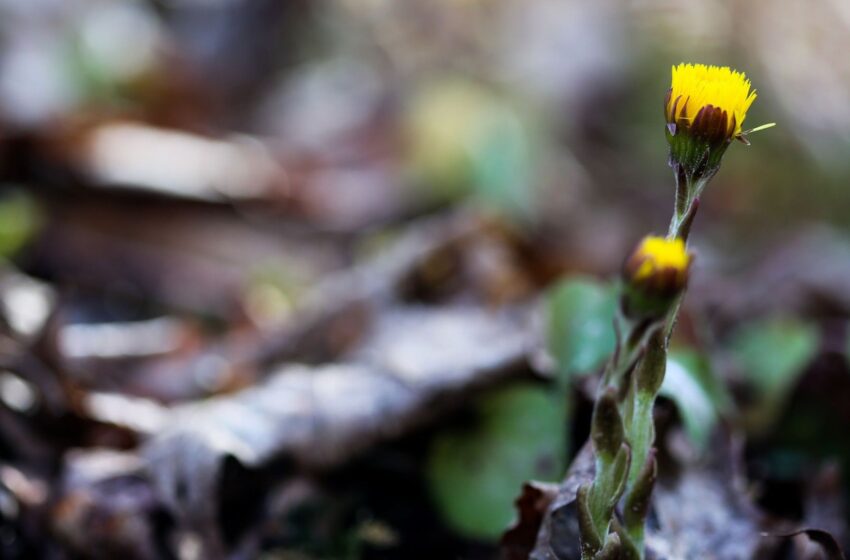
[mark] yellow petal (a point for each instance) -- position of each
(699, 85)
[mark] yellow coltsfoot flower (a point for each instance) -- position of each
(705, 109)
(654, 274)
(708, 101)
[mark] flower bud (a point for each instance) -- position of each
(606, 426)
(655, 274)
(590, 539)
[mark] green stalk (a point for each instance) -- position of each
(633, 377)
(688, 191)
(648, 376)
(640, 432)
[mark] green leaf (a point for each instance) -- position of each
(687, 383)
(466, 138)
(772, 354)
(698, 366)
(580, 325)
(502, 162)
(20, 218)
(475, 475)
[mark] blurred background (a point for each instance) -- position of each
(285, 279)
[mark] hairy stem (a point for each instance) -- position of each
(633, 376)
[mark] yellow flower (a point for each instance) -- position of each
(655, 273)
(708, 101)
(659, 254)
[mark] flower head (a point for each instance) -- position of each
(708, 101)
(655, 273)
(659, 255)
(704, 109)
